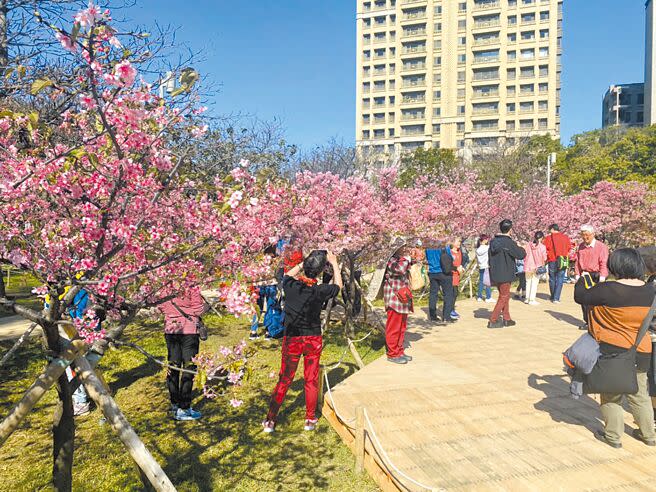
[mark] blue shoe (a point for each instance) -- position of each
(185, 414)
(455, 315)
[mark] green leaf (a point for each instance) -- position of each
(40, 84)
(9, 73)
(75, 32)
(34, 118)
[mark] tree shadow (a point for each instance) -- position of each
(124, 379)
(561, 406)
(565, 318)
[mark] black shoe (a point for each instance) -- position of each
(638, 435)
(509, 323)
(601, 436)
(495, 324)
(451, 320)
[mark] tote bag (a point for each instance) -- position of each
(486, 278)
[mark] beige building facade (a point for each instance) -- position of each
(459, 74)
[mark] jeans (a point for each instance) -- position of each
(292, 348)
(181, 349)
(481, 286)
(79, 396)
(556, 280)
(502, 307)
(432, 298)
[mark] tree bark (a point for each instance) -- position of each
(4, 49)
(3, 292)
(63, 437)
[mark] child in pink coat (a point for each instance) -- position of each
(536, 258)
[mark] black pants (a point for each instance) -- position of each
(440, 281)
(522, 282)
(585, 309)
(181, 349)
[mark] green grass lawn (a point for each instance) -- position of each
(226, 450)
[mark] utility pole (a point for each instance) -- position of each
(551, 160)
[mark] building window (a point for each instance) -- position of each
(641, 117)
(460, 127)
(544, 16)
(641, 98)
(461, 143)
(462, 58)
(438, 27)
(462, 41)
(544, 33)
(526, 107)
(436, 129)
(512, 20)
(512, 3)
(461, 110)
(542, 123)
(461, 76)
(544, 87)
(462, 24)
(437, 61)
(365, 134)
(528, 18)
(437, 112)
(528, 35)
(437, 44)
(543, 105)
(462, 6)
(512, 37)
(461, 93)
(511, 90)
(544, 70)
(528, 54)
(511, 74)
(544, 52)
(438, 10)
(510, 125)
(510, 107)
(437, 95)
(512, 55)
(365, 119)
(526, 89)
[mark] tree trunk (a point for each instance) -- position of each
(63, 436)
(3, 292)
(63, 429)
(4, 50)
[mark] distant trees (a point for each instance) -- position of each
(431, 164)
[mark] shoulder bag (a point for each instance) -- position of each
(616, 373)
(417, 278)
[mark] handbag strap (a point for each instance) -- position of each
(645, 324)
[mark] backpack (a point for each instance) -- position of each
(275, 316)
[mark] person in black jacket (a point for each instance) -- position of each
(503, 253)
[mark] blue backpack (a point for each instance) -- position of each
(274, 316)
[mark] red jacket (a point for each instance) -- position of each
(558, 244)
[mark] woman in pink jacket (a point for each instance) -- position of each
(536, 259)
(181, 320)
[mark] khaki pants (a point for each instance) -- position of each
(532, 282)
(640, 407)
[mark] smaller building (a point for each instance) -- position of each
(624, 104)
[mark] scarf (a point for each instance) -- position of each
(307, 281)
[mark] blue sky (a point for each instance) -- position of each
(295, 59)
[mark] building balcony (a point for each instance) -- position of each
(486, 95)
(410, 101)
(491, 128)
(526, 110)
(413, 133)
(380, 89)
(414, 33)
(484, 112)
(486, 24)
(379, 105)
(407, 2)
(413, 117)
(486, 6)
(413, 18)
(487, 59)
(485, 77)
(413, 51)
(413, 68)
(413, 84)
(486, 41)
(527, 76)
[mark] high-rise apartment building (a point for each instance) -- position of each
(457, 73)
(624, 105)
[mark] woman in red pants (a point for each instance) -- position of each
(304, 300)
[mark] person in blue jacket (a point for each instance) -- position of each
(440, 274)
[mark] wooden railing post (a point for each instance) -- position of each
(359, 439)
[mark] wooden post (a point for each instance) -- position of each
(39, 388)
(322, 371)
(354, 353)
(359, 439)
(122, 427)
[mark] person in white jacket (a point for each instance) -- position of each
(536, 259)
(483, 260)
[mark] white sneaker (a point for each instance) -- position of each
(491, 300)
(269, 426)
(310, 425)
(478, 299)
(533, 303)
(556, 302)
(80, 409)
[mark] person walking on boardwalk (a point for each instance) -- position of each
(534, 266)
(618, 309)
(558, 248)
(504, 252)
(591, 259)
(483, 260)
(304, 300)
(398, 302)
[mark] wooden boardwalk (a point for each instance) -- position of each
(481, 409)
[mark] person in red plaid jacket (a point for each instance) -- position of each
(398, 303)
